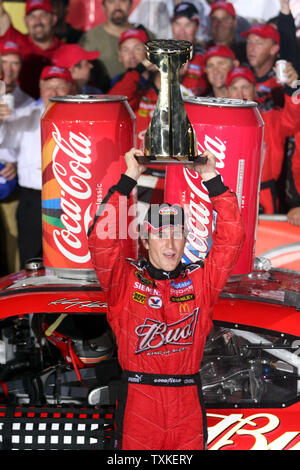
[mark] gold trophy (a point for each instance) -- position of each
(170, 137)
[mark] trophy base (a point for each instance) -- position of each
(170, 160)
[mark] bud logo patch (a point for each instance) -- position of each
(153, 334)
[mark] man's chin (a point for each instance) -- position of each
(119, 20)
(169, 266)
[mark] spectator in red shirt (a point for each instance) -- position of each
(263, 43)
(280, 123)
(139, 75)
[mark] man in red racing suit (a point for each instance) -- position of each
(161, 313)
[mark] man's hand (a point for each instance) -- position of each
(4, 20)
(285, 7)
(134, 168)
(150, 67)
(9, 172)
(291, 73)
(207, 170)
(5, 112)
(293, 216)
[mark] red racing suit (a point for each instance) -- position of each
(161, 321)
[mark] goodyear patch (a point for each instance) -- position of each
(182, 298)
(138, 297)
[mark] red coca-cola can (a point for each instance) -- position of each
(233, 131)
(84, 139)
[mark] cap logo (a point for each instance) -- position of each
(238, 70)
(182, 7)
(8, 44)
(54, 69)
(35, 2)
(131, 31)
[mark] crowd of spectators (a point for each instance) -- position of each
(233, 57)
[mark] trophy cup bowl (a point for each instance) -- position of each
(170, 137)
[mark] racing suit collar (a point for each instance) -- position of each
(160, 274)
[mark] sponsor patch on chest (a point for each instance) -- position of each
(154, 334)
(182, 298)
(139, 297)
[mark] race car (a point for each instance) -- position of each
(59, 371)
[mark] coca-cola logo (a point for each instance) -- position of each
(199, 207)
(153, 334)
(70, 161)
(215, 146)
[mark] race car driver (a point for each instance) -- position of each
(161, 312)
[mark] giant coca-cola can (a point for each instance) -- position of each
(84, 139)
(232, 130)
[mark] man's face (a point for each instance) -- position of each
(131, 52)
(11, 66)
(222, 26)
(260, 50)
(184, 29)
(54, 87)
(242, 89)
(165, 248)
(216, 70)
(39, 24)
(81, 72)
(117, 11)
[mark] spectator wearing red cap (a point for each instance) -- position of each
(223, 27)
(139, 71)
(11, 66)
(218, 61)
(185, 24)
(105, 38)
(263, 44)
(141, 81)
(40, 44)
(78, 61)
(23, 136)
(280, 123)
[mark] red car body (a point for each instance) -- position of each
(250, 370)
